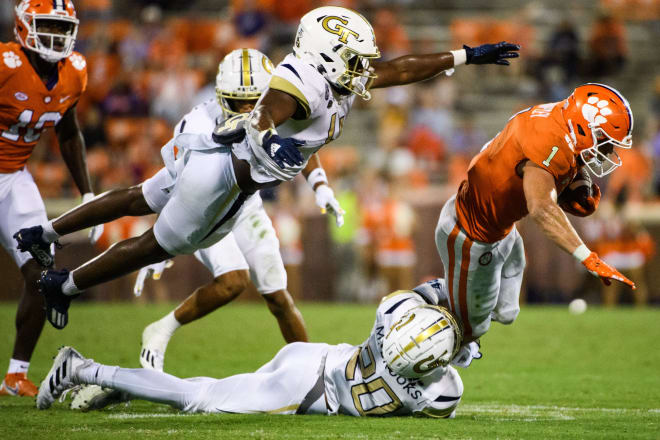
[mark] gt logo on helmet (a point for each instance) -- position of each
(340, 30)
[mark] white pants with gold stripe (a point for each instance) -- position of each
(483, 279)
(291, 383)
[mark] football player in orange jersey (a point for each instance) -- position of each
(522, 171)
(41, 80)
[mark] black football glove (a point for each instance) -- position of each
(492, 53)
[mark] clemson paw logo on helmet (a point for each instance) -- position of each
(11, 59)
(78, 61)
(595, 110)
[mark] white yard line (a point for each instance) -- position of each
(542, 412)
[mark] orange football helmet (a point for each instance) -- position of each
(48, 27)
(599, 118)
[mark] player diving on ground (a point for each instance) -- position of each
(401, 369)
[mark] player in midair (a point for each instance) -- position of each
(538, 165)
(252, 244)
(309, 96)
(402, 368)
(41, 80)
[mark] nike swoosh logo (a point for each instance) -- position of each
(64, 99)
(11, 390)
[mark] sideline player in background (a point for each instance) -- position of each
(252, 244)
(41, 80)
(401, 369)
(538, 165)
(304, 108)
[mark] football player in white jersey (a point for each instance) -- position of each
(402, 368)
(304, 108)
(252, 245)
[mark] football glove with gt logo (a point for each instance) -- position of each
(283, 151)
(491, 53)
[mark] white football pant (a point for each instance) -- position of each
(291, 383)
(483, 279)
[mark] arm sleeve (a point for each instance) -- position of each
(302, 82)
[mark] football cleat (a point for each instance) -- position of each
(61, 376)
(154, 344)
(94, 397)
(17, 384)
(31, 240)
(57, 303)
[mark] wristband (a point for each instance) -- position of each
(581, 253)
(317, 177)
(87, 197)
(262, 134)
(460, 56)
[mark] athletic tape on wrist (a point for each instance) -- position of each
(581, 253)
(317, 176)
(460, 56)
(263, 133)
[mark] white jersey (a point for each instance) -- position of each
(358, 382)
(320, 118)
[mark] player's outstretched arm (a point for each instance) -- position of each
(325, 196)
(275, 108)
(413, 68)
(72, 146)
(541, 196)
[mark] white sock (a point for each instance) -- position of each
(168, 323)
(49, 233)
(16, 366)
(69, 287)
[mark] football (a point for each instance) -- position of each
(579, 190)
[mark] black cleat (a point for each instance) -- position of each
(31, 240)
(57, 303)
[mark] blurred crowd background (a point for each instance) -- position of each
(401, 155)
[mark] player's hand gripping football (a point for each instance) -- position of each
(604, 271)
(282, 150)
(325, 199)
(154, 270)
(96, 231)
(581, 197)
(492, 53)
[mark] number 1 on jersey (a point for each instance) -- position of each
(552, 154)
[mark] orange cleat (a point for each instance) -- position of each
(17, 384)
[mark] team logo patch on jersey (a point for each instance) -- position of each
(486, 258)
(78, 61)
(11, 59)
(21, 96)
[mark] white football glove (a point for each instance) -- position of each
(325, 199)
(465, 355)
(154, 270)
(95, 231)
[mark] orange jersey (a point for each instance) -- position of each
(491, 200)
(26, 104)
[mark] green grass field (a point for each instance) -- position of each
(551, 375)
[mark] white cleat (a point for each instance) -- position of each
(154, 344)
(93, 397)
(61, 376)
